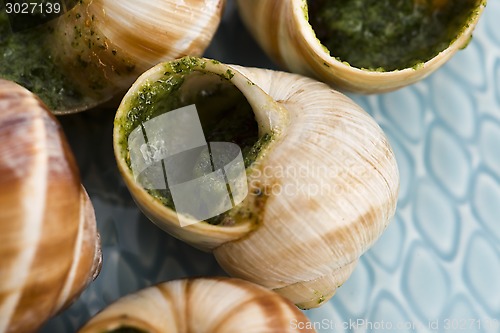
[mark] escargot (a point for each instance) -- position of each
(49, 246)
(364, 46)
(201, 305)
(313, 185)
(97, 48)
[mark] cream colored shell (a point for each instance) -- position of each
(215, 305)
(304, 244)
(283, 31)
(104, 45)
(49, 246)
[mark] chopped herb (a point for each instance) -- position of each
(387, 35)
(225, 114)
(229, 74)
(25, 60)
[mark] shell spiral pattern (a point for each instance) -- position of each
(218, 305)
(49, 246)
(301, 243)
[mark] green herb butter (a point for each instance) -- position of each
(387, 35)
(25, 59)
(225, 115)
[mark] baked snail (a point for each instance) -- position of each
(98, 48)
(364, 46)
(49, 246)
(200, 305)
(322, 180)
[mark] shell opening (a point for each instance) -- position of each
(389, 35)
(225, 116)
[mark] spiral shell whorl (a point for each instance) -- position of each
(217, 305)
(49, 246)
(303, 242)
(338, 182)
(115, 41)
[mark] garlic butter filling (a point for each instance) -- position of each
(388, 35)
(225, 116)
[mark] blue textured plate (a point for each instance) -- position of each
(436, 268)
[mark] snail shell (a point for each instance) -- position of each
(201, 305)
(283, 30)
(49, 246)
(302, 244)
(102, 46)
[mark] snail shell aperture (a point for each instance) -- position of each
(284, 30)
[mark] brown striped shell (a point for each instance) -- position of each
(49, 246)
(303, 239)
(211, 305)
(282, 29)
